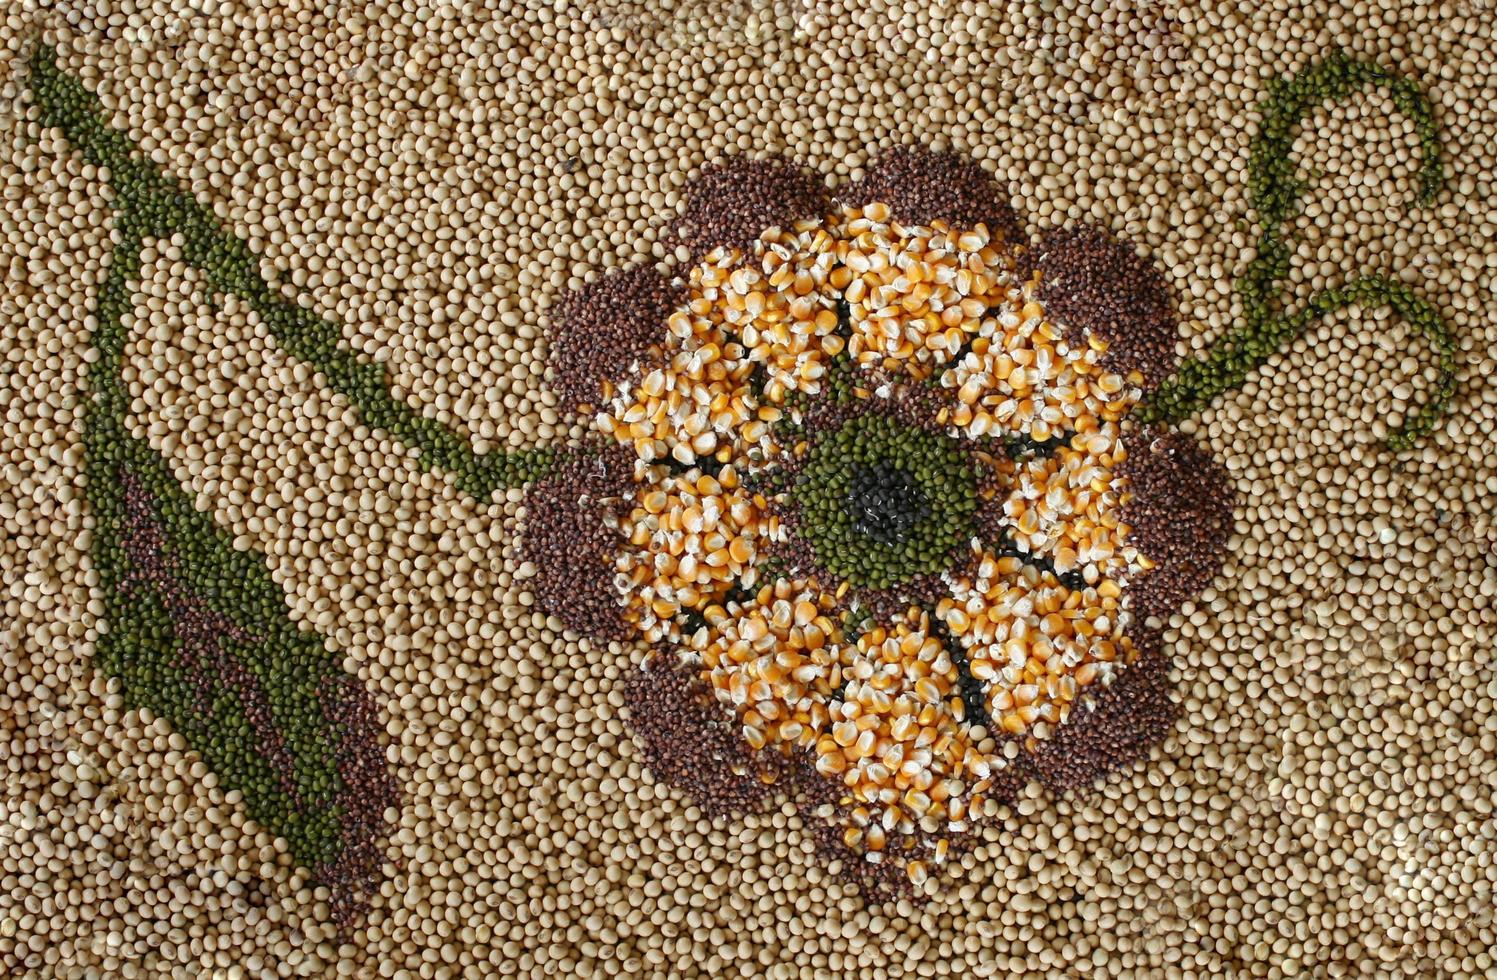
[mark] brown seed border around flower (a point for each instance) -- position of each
(1095, 285)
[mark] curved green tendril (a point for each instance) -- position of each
(158, 207)
(1274, 193)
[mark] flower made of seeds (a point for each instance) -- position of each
(874, 495)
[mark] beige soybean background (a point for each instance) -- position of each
(432, 175)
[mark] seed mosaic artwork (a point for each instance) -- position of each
(542, 492)
(888, 505)
(888, 498)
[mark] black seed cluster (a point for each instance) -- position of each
(971, 690)
(600, 330)
(885, 502)
(1180, 515)
(1002, 545)
(692, 743)
(1117, 728)
(921, 185)
(915, 406)
(571, 536)
(1091, 281)
(732, 202)
(1025, 446)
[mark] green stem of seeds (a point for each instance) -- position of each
(161, 208)
(138, 643)
(1274, 193)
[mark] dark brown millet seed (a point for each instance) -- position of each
(1117, 727)
(995, 480)
(1179, 510)
(884, 881)
(1091, 281)
(921, 185)
(877, 881)
(1009, 782)
(692, 743)
(921, 404)
(571, 536)
(603, 328)
(733, 202)
(792, 550)
(369, 790)
(915, 404)
(203, 634)
(924, 591)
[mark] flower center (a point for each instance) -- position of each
(886, 501)
(881, 501)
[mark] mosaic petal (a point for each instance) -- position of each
(691, 742)
(688, 541)
(1114, 728)
(1098, 286)
(1036, 645)
(572, 540)
(1179, 512)
(731, 203)
(922, 185)
(602, 329)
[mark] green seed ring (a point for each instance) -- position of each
(939, 467)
